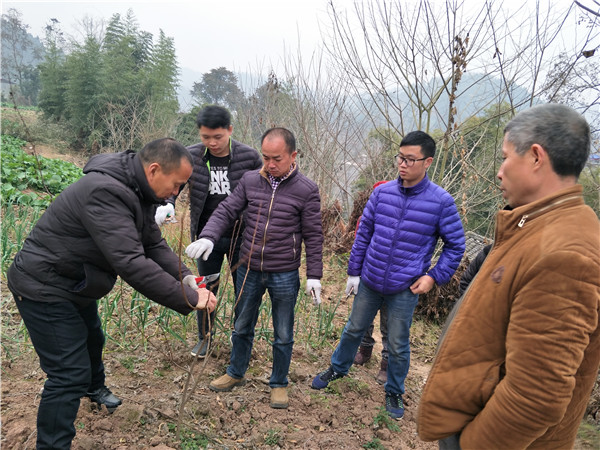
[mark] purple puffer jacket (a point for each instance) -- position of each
(398, 233)
(276, 223)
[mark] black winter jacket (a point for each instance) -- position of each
(100, 227)
(242, 158)
(472, 269)
(277, 221)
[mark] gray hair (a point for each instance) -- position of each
(560, 130)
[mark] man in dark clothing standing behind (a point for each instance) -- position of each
(100, 227)
(219, 163)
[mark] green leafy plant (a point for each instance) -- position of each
(273, 436)
(374, 443)
(31, 179)
(383, 419)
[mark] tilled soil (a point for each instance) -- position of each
(152, 391)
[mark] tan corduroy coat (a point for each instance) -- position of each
(519, 356)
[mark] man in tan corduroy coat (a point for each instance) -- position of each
(519, 355)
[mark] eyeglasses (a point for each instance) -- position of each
(408, 161)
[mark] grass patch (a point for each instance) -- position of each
(274, 436)
(382, 419)
(374, 443)
(348, 384)
(424, 336)
(588, 436)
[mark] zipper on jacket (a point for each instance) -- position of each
(262, 250)
(541, 210)
(294, 249)
(522, 221)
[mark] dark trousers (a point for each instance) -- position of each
(450, 443)
(69, 341)
(225, 247)
(369, 341)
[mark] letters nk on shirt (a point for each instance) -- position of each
(219, 182)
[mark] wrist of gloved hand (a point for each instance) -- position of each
(352, 285)
(313, 288)
(190, 280)
(162, 212)
(201, 248)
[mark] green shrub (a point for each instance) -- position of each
(31, 179)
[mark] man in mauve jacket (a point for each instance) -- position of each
(100, 227)
(390, 262)
(282, 209)
(519, 354)
(219, 163)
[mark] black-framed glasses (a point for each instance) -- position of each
(408, 161)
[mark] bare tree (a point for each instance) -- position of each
(432, 67)
(19, 58)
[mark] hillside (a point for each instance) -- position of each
(154, 374)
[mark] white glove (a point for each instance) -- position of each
(190, 280)
(162, 212)
(202, 247)
(313, 284)
(352, 285)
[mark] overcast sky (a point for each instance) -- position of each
(242, 35)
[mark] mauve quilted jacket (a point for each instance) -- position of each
(276, 221)
(398, 233)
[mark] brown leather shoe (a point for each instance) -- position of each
(382, 375)
(226, 383)
(279, 398)
(363, 355)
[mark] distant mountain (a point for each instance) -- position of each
(476, 92)
(187, 78)
(31, 52)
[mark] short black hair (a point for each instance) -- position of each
(421, 139)
(167, 152)
(213, 117)
(285, 134)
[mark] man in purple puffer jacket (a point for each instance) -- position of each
(390, 262)
(282, 209)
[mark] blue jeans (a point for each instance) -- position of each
(400, 309)
(283, 289)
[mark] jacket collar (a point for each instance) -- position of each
(512, 219)
(231, 147)
(416, 189)
(293, 171)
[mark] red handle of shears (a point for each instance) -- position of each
(200, 282)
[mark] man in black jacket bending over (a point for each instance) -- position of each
(100, 227)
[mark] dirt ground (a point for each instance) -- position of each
(154, 388)
(232, 420)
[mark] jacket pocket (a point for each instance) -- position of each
(96, 283)
(492, 377)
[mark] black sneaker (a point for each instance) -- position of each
(324, 378)
(200, 349)
(103, 396)
(394, 405)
